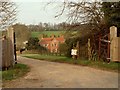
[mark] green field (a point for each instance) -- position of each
(48, 33)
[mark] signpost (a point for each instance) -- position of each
(74, 53)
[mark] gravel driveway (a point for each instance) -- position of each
(44, 74)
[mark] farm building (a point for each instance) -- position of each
(52, 43)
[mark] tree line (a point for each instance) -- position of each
(48, 27)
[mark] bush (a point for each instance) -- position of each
(63, 48)
(33, 44)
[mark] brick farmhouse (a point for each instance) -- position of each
(52, 43)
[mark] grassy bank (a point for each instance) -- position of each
(112, 66)
(17, 71)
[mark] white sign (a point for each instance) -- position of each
(74, 52)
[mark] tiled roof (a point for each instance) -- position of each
(60, 39)
(47, 40)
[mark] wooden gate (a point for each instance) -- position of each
(109, 46)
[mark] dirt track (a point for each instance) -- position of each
(45, 74)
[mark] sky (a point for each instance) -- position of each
(36, 12)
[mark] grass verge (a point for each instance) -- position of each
(17, 71)
(112, 66)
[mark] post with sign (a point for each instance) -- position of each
(74, 53)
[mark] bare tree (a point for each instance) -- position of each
(86, 18)
(83, 12)
(7, 14)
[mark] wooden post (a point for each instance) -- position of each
(89, 50)
(15, 54)
(11, 45)
(113, 35)
(99, 51)
(78, 49)
(5, 58)
(108, 49)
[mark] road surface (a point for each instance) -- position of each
(44, 74)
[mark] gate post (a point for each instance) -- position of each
(11, 45)
(99, 50)
(113, 35)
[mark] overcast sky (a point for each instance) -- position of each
(35, 12)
